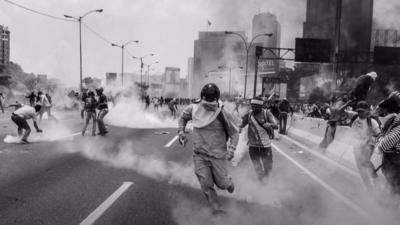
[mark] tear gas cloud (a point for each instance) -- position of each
(129, 111)
(297, 196)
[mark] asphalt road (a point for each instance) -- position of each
(129, 177)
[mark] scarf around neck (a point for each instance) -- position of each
(205, 113)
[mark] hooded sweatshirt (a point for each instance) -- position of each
(209, 132)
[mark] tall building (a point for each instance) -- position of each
(355, 25)
(190, 78)
(4, 45)
(264, 23)
(267, 23)
(171, 82)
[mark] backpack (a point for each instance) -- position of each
(369, 121)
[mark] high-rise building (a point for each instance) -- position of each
(355, 25)
(171, 82)
(4, 45)
(190, 78)
(264, 23)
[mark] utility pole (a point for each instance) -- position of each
(79, 19)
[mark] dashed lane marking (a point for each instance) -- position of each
(106, 204)
(333, 191)
(171, 142)
(320, 156)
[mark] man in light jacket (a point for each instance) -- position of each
(213, 129)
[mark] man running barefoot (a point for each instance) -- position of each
(20, 117)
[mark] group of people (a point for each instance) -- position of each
(375, 129)
(94, 108)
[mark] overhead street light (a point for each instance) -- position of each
(122, 56)
(148, 71)
(247, 46)
(141, 65)
(79, 19)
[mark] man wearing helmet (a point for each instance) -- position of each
(103, 110)
(213, 127)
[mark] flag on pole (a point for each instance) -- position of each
(209, 23)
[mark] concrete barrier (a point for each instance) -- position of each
(311, 132)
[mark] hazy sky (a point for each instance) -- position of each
(166, 28)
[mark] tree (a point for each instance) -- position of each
(5, 81)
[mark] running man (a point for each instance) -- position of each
(213, 127)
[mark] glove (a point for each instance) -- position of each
(230, 154)
(182, 138)
(39, 131)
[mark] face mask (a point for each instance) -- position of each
(211, 106)
(257, 110)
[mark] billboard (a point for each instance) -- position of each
(313, 50)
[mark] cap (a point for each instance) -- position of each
(373, 75)
(362, 106)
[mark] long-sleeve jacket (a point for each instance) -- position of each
(389, 140)
(259, 136)
(212, 138)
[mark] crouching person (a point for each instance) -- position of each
(20, 117)
(213, 127)
(260, 132)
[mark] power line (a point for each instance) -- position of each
(37, 12)
(97, 33)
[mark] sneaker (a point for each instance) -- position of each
(231, 188)
(23, 141)
(93, 134)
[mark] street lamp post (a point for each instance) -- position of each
(122, 56)
(148, 71)
(79, 19)
(141, 65)
(247, 52)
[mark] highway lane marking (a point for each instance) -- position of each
(319, 155)
(333, 191)
(171, 142)
(106, 204)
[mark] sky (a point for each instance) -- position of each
(167, 28)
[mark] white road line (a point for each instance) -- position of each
(106, 204)
(319, 155)
(337, 194)
(171, 142)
